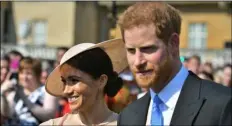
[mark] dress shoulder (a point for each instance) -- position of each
(112, 120)
(47, 123)
(53, 122)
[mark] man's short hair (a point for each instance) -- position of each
(165, 18)
(196, 57)
(228, 65)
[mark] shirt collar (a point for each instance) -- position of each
(169, 94)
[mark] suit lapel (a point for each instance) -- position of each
(189, 102)
(140, 110)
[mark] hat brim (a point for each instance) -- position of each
(115, 50)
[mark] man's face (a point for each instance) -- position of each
(194, 65)
(148, 57)
(227, 77)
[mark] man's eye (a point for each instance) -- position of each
(148, 49)
(130, 50)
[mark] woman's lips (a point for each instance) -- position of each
(73, 99)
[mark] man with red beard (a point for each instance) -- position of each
(176, 96)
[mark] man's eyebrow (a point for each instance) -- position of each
(148, 46)
(143, 46)
(130, 48)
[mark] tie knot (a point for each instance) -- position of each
(157, 100)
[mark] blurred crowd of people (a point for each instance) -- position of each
(25, 101)
(207, 70)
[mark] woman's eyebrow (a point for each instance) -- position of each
(74, 76)
(70, 77)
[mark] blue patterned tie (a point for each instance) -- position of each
(156, 116)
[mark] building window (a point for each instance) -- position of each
(35, 29)
(197, 37)
(24, 29)
(40, 32)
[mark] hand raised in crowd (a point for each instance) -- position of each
(9, 84)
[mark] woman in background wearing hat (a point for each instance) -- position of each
(86, 73)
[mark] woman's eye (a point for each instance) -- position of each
(64, 81)
(74, 80)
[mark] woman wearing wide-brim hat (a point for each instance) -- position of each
(86, 73)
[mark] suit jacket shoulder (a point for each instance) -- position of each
(212, 89)
(217, 107)
(202, 102)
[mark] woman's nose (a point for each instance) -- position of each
(68, 90)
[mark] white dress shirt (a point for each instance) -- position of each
(169, 95)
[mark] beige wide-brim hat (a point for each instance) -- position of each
(114, 48)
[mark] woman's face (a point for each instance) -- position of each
(81, 89)
(4, 69)
(27, 78)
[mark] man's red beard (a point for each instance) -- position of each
(158, 73)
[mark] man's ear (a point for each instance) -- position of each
(103, 81)
(173, 43)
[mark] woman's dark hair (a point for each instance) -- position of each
(96, 62)
(15, 53)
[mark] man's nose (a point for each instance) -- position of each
(139, 58)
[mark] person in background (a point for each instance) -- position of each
(45, 71)
(5, 67)
(205, 75)
(4, 110)
(218, 75)
(5, 76)
(185, 62)
(28, 102)
(15, 57)
(207, 67)
(194, 63)
(87, 72)
(226, 79)
(63, 107)
(60, 52)
(44, 76)
(130, 82)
